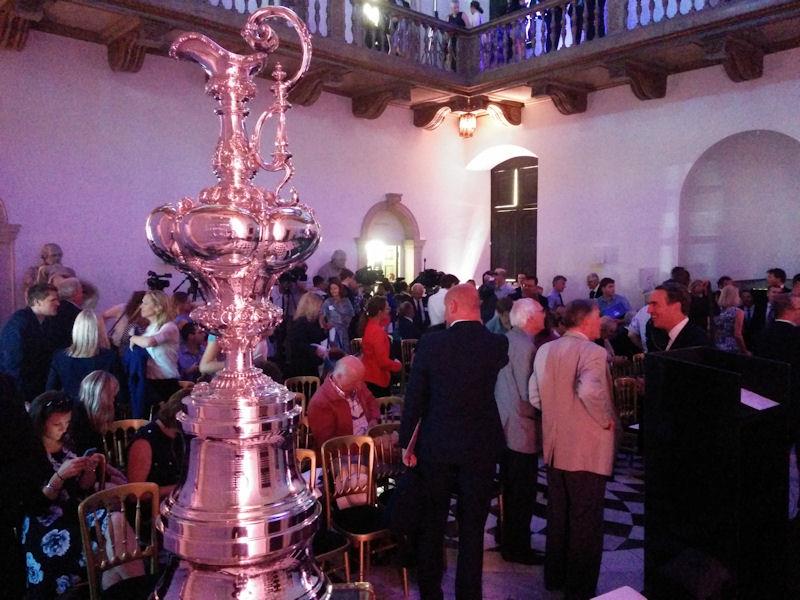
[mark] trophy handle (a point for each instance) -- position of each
(260, 36)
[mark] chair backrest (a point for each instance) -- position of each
(117, 439)
(307, 461)
(407, 348)
(348, 468)
(622, 367)
(626, 400)
(638, 364)
(391, 409)
(304, 438)
(301, 401)
(306, 384)
(355, 346)
(388, 455)
(117, 521)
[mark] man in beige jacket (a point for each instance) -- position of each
(571, 385)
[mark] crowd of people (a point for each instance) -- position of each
(503, 375)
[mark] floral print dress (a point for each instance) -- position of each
(52, 542)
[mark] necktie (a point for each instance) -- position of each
(560, 300)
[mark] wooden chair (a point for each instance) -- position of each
(113, 533)
(117, 439)
(301, 401)
(388, 457)
(621, 367)
(638, 365)
(626, 401)
(327, 544)
(355, 346)
(407, 348)
(348, 470)
(391, 409)
(304, 439)
(306, 385)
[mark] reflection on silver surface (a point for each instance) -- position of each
(242, 519)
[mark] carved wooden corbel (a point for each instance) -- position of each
(372, 105)
(16, 18)
(123, 43)
(741, 54)
(308, 90)
(744, 58)
(568, 99)
(647, 82)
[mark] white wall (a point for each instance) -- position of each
(610, 179)
(86, 153)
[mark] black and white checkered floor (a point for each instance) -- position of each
(623, 544)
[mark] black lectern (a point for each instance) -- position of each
(716, 476)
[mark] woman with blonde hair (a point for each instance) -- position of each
(89, 352)
(94, 412)
(729, 323)
(161, 341)
(305, 336)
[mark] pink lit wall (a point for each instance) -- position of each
(86, 153)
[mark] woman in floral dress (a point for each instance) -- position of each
(50, 533)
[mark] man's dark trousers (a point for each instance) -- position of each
(473, 482)
(518, 473)
(574, 544)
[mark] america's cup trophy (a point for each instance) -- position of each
(241, 521)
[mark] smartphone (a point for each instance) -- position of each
(90, 451)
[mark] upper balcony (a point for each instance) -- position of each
(378, 53)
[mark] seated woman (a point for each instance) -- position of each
(161, 340)
(90, 351)
(305, 336)
(50, 534)
(156, 453)
(93, 414)
(378, 366)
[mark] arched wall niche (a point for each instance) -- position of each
(394, 221)
(8, 291)
(740, 208)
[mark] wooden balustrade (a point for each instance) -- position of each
(546, 27)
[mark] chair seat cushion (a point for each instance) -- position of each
(360, 520)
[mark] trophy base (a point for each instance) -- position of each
(291, 578)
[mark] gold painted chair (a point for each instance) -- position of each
(348, 470)
(388, 457)
(391, 409)
(638, 365)
(626, 401)
(327, 545)
(307, 385)
(301, 401)
(304, 438)
(407, 348)
(118, 528)
(117, 439)
(355, 346)
(621, 367)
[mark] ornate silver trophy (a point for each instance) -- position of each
(242, 520)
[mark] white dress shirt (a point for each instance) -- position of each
(676, 331)
(436, 307)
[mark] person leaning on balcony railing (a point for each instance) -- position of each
(474, 17)
(456, 17)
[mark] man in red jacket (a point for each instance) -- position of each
(342, 405)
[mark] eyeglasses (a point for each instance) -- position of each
(59, 402)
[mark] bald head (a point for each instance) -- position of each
(417, 291)
(461, 303)
(348, 373)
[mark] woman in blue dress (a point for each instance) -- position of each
(50, 534)
(728, 325)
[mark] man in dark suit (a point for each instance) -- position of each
(669, 314)
(420, 302)
(25, 346)
(751, 325)
(451, 395)
(781, 341)
(777, 278)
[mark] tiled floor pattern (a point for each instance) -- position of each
(622, 557)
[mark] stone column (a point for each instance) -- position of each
(8, 291)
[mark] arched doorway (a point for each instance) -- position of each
(390, 239)
(8, 292)
(739, 207)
